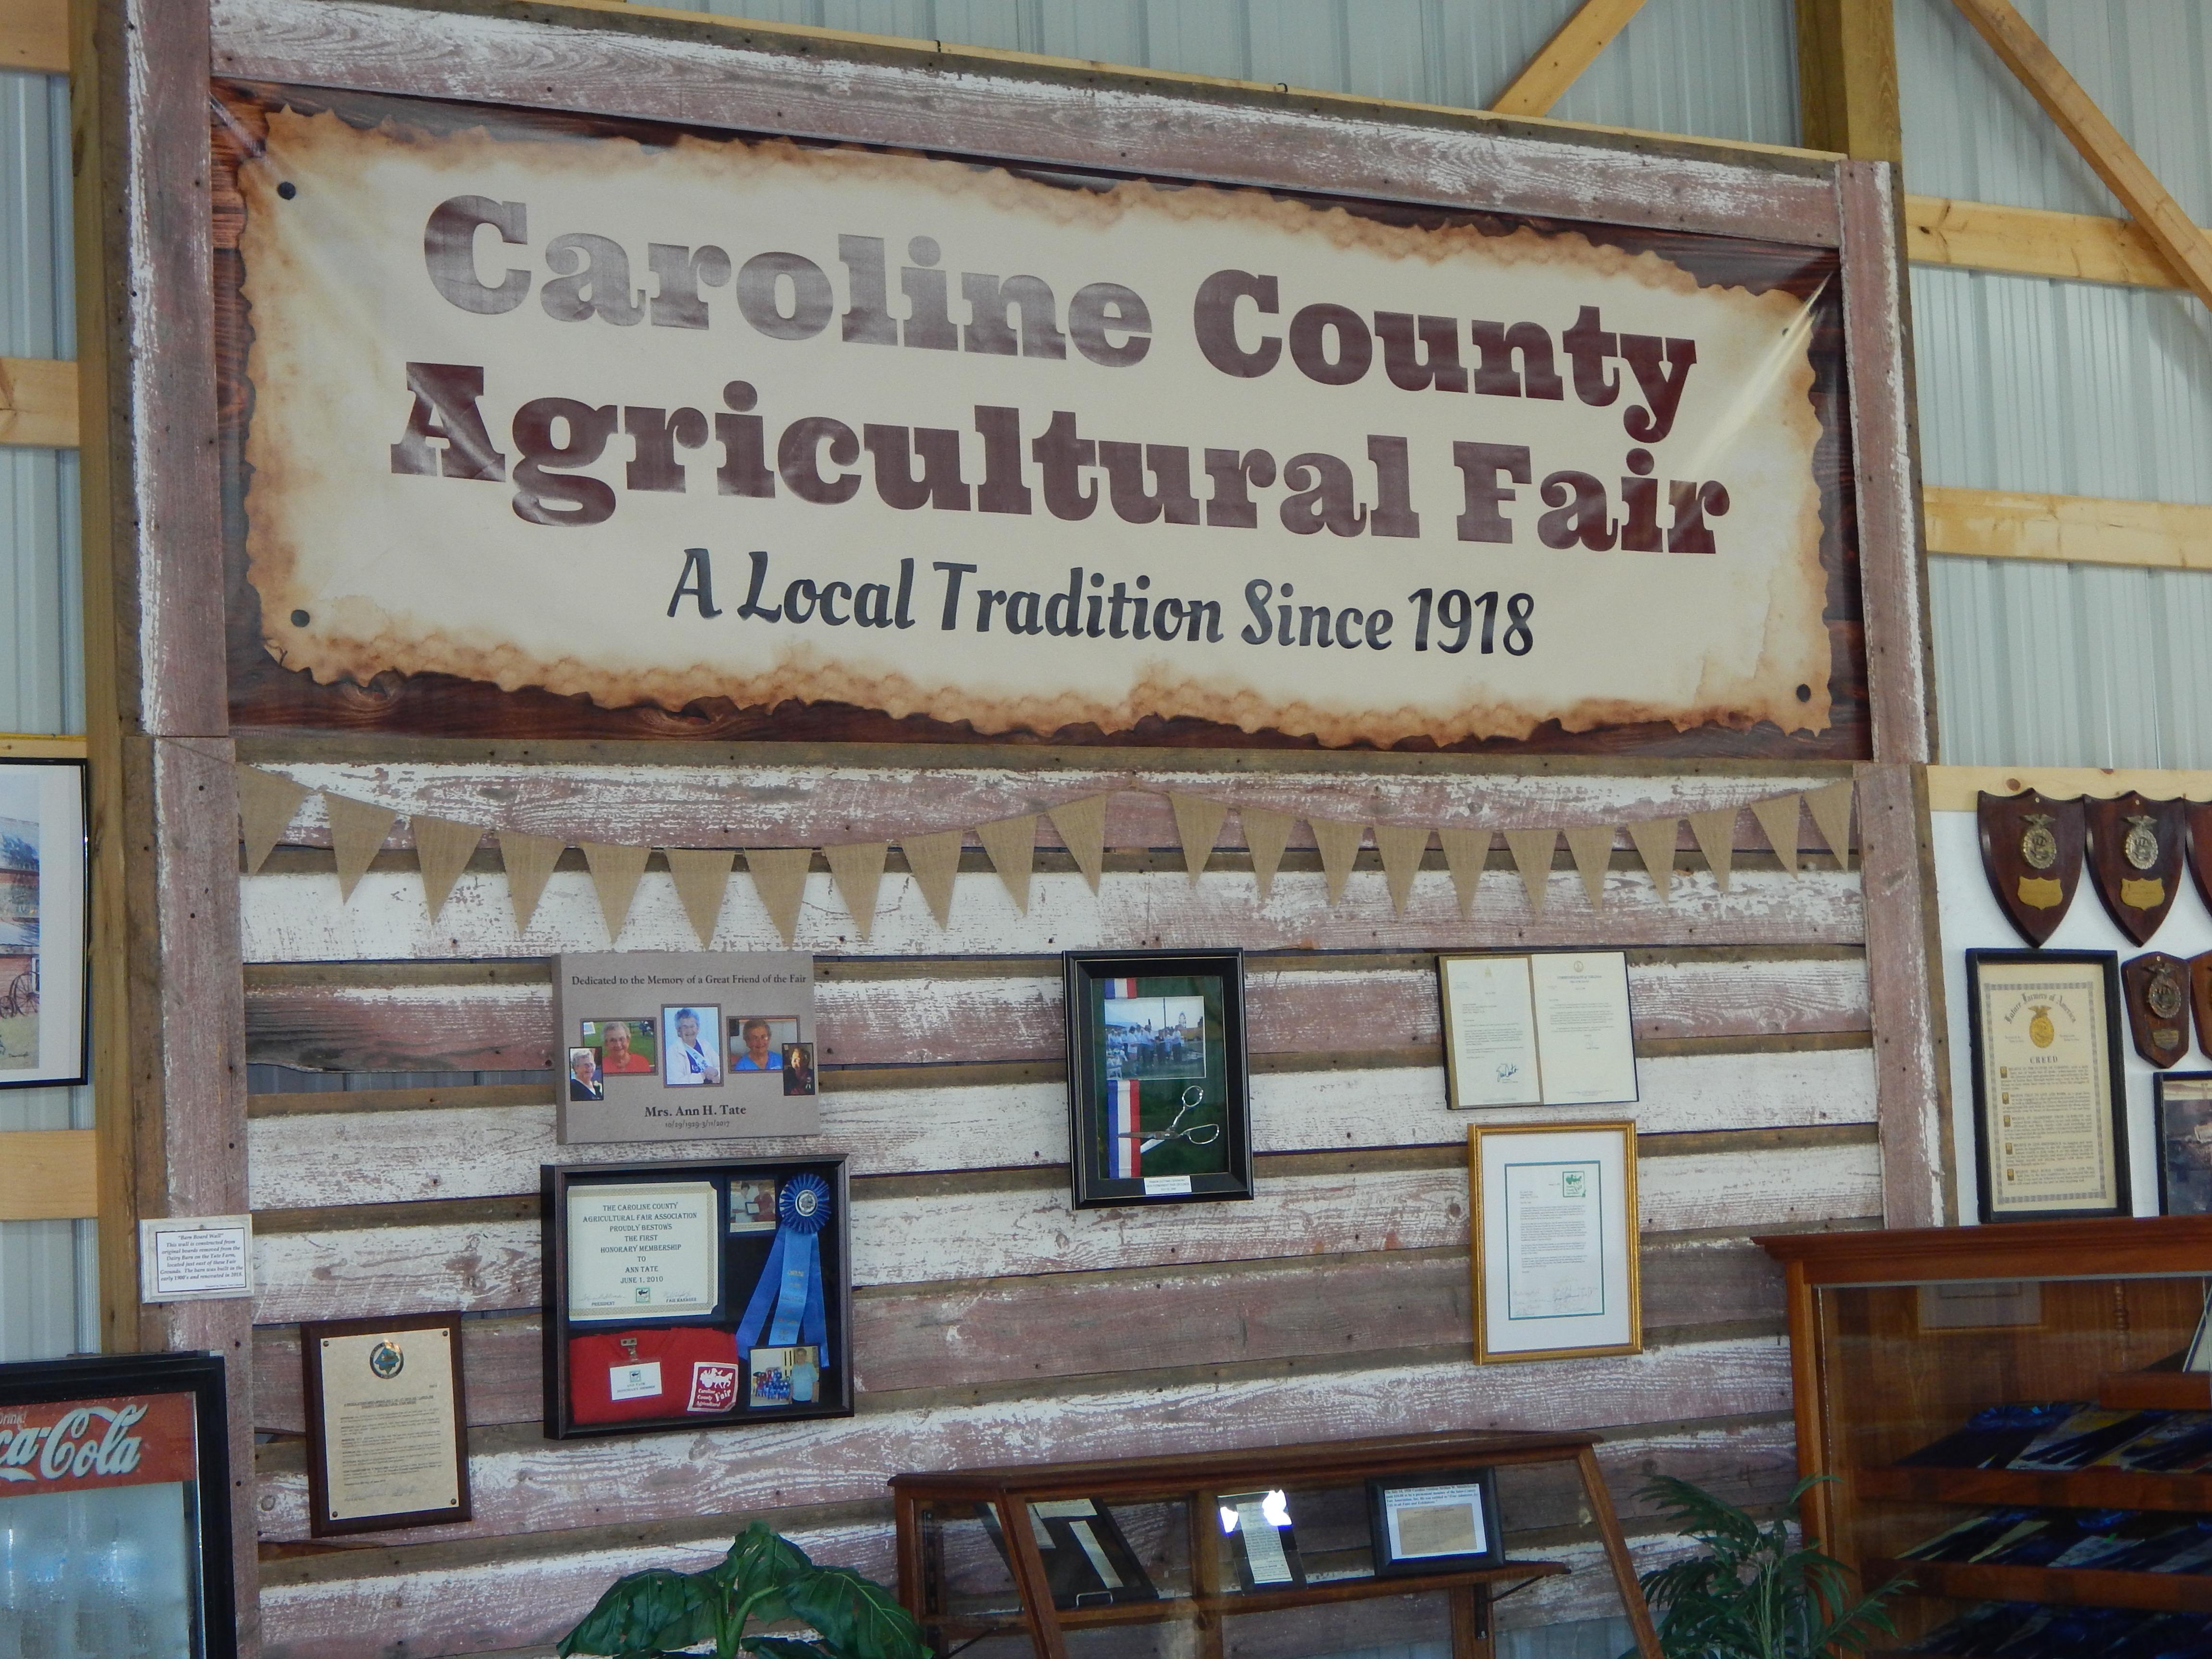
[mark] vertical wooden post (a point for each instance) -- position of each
(1847, 78)
(167, 1009)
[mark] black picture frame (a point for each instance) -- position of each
(2115, 1016)
(1389, 1563)
(30, 971)
(312, 1334)
(2181, 1118)
(1216, 977)
(695, 1339)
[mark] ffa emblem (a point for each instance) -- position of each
(2040, 1031)
(2141, 848)
(386, 1360)
(2164, 994)
(2158, 1001)
(2039, 847)
(2135, 857)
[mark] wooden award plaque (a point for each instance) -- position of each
(2134, 856)
(2032, 853)
(2199, 815)
(2156, 989)
(2200, 998)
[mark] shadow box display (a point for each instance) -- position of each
(679, 1296)
(1156, 1076)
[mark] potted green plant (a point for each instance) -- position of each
(1751, 1593)
(764, 1579)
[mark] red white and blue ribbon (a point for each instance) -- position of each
(791, 1279)
(1120, 990)
(1121, 1155)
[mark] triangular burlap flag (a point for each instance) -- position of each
(1592, 846)
(1198, 826)
(1465, 851)
(935, 860)
(528, 861)
(266, 803)
(702, 881)
(1339, 850)
(443, 849)
(1401, 846)
(1716, 834)
(1265, 834)
(780, 877)
(1777, 816)
(615, 873)
(1654, 841)
(357, 830)
(1011, 844)
(1082, 826)
(1532, 857)
(1831, 808)
(857, 868)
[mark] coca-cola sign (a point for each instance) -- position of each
(67, 1445)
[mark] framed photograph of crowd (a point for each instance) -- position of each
(45, 891)
(1157, 1083)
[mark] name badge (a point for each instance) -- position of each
(639, 1382)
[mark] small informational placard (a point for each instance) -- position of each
(685, 1045)
(1262, 1522)
(1555, 1238)
(1548, 1029)
(644, 1250)
(1438, 1524)
(386, 1435)
(207, 1258)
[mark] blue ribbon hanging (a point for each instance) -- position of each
(791, 1279)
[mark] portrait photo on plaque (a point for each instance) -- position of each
(45, 892)
(388, 1423)
(1544, 1027)
(2050, 1091)
(683, 1045)
(679, 1295)
(2182, 1123)
(1442, 1522)
(1554, 1232)
(1156, 1085)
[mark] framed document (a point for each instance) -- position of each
(1156, 1076)
(45, 885)
(2050, 1098)
(1442, 1522)
(388, 1423)
(2183, 1112)
(1555, 1241)
(695, 1295)
(1549, 1028)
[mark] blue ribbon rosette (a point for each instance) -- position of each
(791, 1282)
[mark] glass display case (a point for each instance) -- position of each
(2012, 1429)
(1282, 1549)
(115, 1510)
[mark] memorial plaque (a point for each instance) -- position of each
(2134, 850)
(2032, 851)
(2156, 987)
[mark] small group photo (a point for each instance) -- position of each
(760, 1043)
(1152, 1036)
(618, 1047)
(690, 1058)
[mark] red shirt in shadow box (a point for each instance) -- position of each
(669, 1370)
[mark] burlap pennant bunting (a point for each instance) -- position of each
(528, 861)
(1339, 850)
(444, 849)
(1011, 845)
(1198, 826)
(857, 870)
(1715, 832)
(1532, 857)
(1777, 817)
(266, 806)
(357, 831)
(616, 871)
(1591, 844)
(1831, 808)
(779, 876)
(1265, 834)
(702, 882)
(1654, 845)
(1082, 826)
(935, 861)
(1401, 846)
(1466, 851)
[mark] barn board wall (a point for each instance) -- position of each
(994, 1323)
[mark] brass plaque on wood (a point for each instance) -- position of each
(2031, 851)
(2157, 994)
(2135, 849)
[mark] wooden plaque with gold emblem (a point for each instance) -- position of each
(2157, 986)
(2032, 851)
(2050, 1138)
(2198, 816)
(2134, 856)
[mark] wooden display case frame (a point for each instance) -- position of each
(1197, 1479)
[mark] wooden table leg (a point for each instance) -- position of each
(1616, 1551)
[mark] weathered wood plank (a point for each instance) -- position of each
(930, 1018)
(522, 1483)
(322, 1159)
(915, 1238)
(984, 1334)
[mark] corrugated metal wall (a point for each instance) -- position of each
(48, 1288)
(2071, 388)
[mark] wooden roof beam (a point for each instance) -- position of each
(35, 35)
(1573, 49)
(2098, 141)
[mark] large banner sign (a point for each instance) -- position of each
(649, 422)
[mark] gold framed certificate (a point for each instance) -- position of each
(1554, 1235)
(2050, 1096)
(388, 1423)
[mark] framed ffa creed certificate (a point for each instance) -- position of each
(2049, 1136)
(644, 1250)
(1547, 1029)
(1555, 1241)
(388, 1423)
